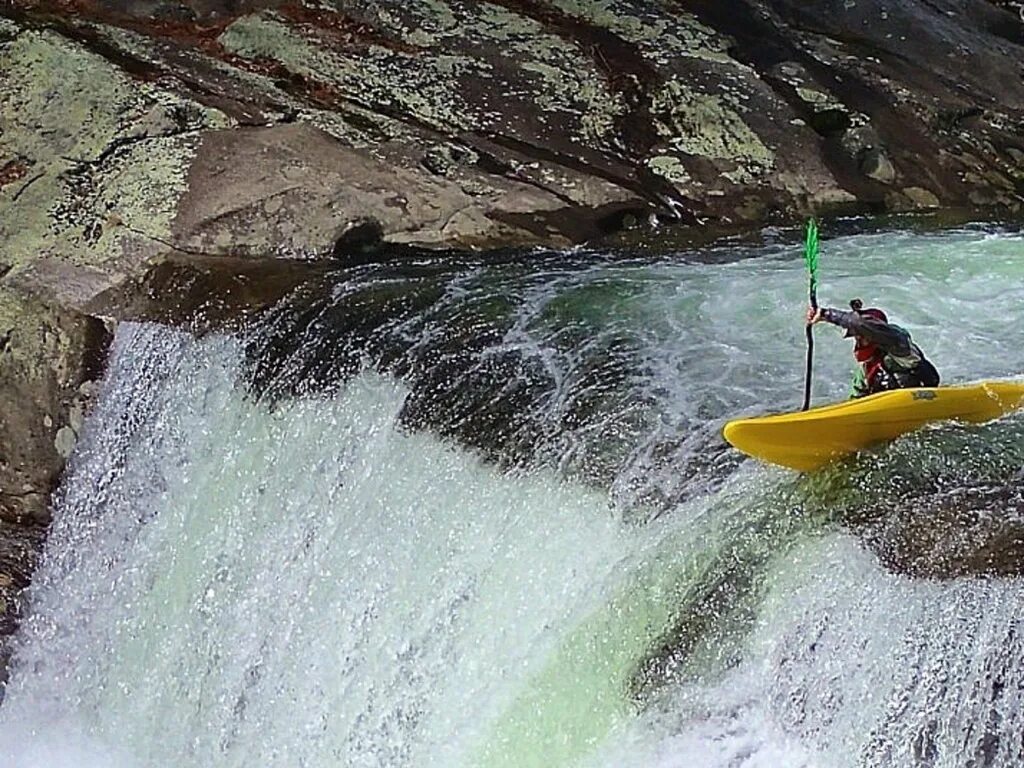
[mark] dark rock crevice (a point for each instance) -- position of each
(85, 165)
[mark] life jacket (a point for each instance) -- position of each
(871, 362)
(881, 371)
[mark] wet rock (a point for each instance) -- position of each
(48, 355)
(966, 532)
(363, 237)
(20, 547)
(944, 504)
(202, 293)
(64, 442)
(715, 604)
(519, 404)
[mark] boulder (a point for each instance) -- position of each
(876, 165)
(921, 198)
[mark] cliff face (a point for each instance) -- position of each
(155, 154)
(276, 127)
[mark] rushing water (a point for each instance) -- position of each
(479, 515)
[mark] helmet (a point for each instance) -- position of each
(871, 313)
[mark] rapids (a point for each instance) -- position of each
(478, 514)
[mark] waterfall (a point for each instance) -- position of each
(479, 515)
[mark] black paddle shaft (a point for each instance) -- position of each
(810, 352)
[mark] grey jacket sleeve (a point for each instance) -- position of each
(890, 338)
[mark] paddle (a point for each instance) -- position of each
(811, 257)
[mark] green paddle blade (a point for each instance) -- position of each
(811, 253)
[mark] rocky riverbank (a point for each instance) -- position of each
(160, 158)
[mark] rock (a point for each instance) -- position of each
(508, 115)
(20, 546)
(859, 139)
(971, 531)
(444, 159)
(297, 191)
(201, 293)
(927, 515)
(63, 283)
(65, 441)
(76, 418)
(875, 164)
(819, 107)
(47, 354)
(104, 176)
(896, 202)
(921, 197)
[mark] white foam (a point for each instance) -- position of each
(234, 585)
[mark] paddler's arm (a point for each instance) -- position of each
(888, 337)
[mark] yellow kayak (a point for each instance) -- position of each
(810, 439)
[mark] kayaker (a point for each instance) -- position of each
(887, 357)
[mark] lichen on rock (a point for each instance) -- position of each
(375, 78)
(703, 125)
(670, 168)
(661, 36)
(107, 172)
(8, 30)
(47, 354)
(921, 198)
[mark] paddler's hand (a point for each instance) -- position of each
(813, 315)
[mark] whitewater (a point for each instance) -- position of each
(478, 513)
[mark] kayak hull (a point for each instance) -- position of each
(807, 440)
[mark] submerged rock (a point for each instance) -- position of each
(969, 531)
(941, 504)
(521, 389)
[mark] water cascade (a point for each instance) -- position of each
(478, 514)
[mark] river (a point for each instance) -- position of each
(478, 513)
